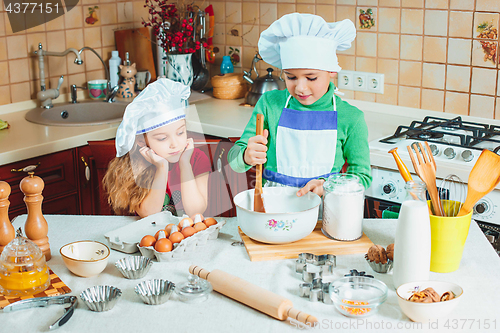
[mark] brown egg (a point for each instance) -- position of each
(147, 240)
(188, 231)
(210, 221)
(168, 228)
(176, 237)
(163, 235)
(197, 218)
(185, 222)
(163, 245)
(200, 226)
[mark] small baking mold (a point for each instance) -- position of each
(134, 267)
(100, 298)
(379, 267)
(155, 292)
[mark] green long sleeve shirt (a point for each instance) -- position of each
(352, 133)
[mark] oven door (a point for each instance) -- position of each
(378, 208)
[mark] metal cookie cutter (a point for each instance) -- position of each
(44, 302)
(314, 267)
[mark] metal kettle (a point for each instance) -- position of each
(261, 84)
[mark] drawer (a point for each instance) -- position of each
(56, 170)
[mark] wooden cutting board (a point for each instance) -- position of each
(137, 42)
(316, 243)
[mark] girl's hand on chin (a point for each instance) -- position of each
(153, 158)
(188, 151)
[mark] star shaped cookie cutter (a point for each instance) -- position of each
(313, 268)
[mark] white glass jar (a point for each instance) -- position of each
(343, 202)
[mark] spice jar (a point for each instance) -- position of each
(23, 270)
(343, 202)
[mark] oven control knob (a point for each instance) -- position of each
(434, 149)
(449, 153)
(389, 189)
(481, 207)
(467, 155)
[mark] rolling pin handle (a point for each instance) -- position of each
(201, 272)
(302, 317)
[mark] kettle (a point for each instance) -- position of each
(261, 84)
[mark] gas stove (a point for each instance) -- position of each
(455, 144)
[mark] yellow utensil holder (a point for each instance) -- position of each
(448, 235)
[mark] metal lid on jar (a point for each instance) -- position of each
(194, 290)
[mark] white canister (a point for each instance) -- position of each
(412, 245)
(343, 202)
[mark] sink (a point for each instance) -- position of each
(78, 114)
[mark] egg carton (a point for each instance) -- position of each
(126, 239)
(185, 247)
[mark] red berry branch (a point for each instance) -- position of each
(173, 28)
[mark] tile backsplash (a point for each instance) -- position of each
(438, 55)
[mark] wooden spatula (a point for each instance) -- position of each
(258, 201)
(425, 168)
(483, 178)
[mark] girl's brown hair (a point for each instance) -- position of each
(128, 181)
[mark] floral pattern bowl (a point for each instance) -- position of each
(287, 219)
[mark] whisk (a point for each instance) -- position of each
(452, 193)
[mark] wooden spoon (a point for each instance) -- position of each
(258, 200)
(483, 178)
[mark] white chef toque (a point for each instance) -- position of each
(160, 103)
(305, 41)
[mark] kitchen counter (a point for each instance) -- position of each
(224, 118)
(477, 275)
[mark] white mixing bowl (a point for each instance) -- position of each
(287, 219)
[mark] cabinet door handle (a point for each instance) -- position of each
(28, 168)
(87, 169)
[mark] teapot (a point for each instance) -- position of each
(261, 84)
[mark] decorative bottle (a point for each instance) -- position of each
(412, 245)
(226, 66)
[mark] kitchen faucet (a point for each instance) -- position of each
(111, 93)
(45, 96)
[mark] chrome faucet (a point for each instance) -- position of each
(46, 96)
(111, 93)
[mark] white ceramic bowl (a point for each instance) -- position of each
(425, 312)
(288, 218)
(85, 258)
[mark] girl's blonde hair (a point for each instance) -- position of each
(128, 181)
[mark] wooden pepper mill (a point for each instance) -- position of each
(36, 227)
(7, 231)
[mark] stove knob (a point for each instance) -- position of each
(467, 155)
(481, 207)
(434, 149)
(388, 189)
(449, 153)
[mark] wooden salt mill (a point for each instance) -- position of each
(36, 227)
(7, 231)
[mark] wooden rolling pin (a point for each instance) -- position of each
(254, 296)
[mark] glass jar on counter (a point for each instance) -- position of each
(343, 203)
(23, 269)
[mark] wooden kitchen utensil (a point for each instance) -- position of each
(36, 227)
(483, 178)
(258, 200)
(7, 231)
(254, 296)
(425, 168)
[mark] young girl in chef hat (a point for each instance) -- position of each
(309, 133)
(156, 166)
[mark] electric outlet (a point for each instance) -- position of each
(376, 83)
(361, 81)
(345, 80)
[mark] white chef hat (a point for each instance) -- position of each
(305, 41)
(160, 103)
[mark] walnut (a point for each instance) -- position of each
(377, 253)
(447, 296)
(390, 251)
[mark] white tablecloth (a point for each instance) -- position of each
(478, 275)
